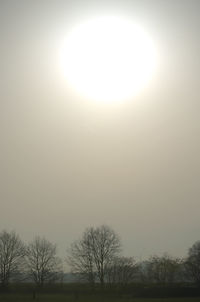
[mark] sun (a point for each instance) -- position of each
(108, 59)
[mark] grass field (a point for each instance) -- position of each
(67, 298)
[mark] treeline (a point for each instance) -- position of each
(96, 258)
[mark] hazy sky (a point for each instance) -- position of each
(68, 163)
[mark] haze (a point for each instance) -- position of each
(68, 163)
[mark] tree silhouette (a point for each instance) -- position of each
(12, 252)
(92, 254)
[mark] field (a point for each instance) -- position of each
(25, 292)
(67, 298)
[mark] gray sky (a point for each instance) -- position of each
(67, 163)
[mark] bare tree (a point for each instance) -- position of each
(42, 261)
(105, 245)
(92, 254)
(164, 269)
(192, 263)
(81, 259)
(12, 252)
(122, 270)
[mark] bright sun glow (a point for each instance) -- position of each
(108, 59)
